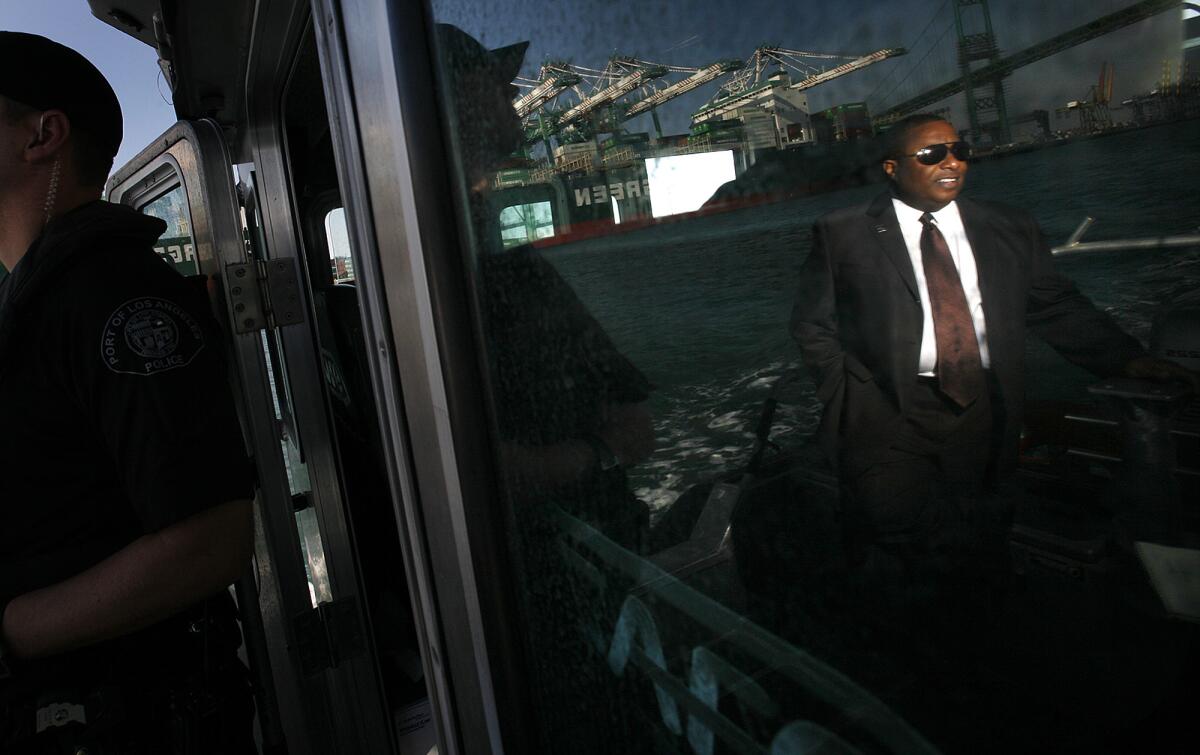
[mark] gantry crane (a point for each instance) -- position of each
(744, 87)
(553, 78)
(699, 77)
(1094, 114)
(624, 75)
(621, 76)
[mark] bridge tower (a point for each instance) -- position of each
(977, 48)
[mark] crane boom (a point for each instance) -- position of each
(723, 106)
(747, 95)
(699, 78)
(845, 68)
(553, 82)
(622, 87)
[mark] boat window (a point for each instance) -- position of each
(742, 517)
(523, 223)
(175, 246)
(300, 486)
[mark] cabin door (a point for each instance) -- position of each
(307, 639)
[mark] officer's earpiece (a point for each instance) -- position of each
(52, 189)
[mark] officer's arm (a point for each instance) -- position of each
(628, 432)
(151, 579)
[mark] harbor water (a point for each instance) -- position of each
(701, 305)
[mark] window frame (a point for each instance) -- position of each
(419, 316)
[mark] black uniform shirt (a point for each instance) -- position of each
(116, 418)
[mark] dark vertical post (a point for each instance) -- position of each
(657, 126)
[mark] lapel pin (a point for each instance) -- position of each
(880, 229)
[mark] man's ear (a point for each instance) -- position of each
(889, 167)
(48, 135)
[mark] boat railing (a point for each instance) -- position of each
(1076, 245)
(664, 618)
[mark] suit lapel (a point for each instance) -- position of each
(885, 229)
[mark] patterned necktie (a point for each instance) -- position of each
(959, 367)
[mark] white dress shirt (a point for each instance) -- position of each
(949, 222)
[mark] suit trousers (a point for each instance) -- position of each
(924, 530)
(934, 474)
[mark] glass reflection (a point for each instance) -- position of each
(681, 187)
(176, 246)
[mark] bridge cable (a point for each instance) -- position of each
(922, 60)
(891, 72)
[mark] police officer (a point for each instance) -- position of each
(571, 408)
(124, 483)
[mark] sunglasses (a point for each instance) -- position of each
(933, 154)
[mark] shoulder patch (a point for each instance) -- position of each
(148, 335)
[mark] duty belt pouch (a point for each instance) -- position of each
(59, 715)
(107, 721)
(67, 720)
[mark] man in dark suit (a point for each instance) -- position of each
(911, 315)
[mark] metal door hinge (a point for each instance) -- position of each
(263, 294)
(328, 635)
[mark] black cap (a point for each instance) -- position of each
(462, 52)
(45, 75)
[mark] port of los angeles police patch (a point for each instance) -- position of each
(149, 335)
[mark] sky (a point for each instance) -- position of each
(130, 66)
